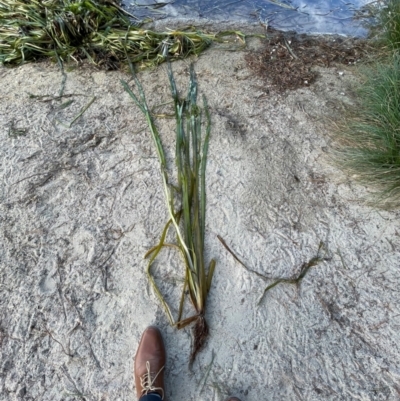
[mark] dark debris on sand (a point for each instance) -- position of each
(287, 59)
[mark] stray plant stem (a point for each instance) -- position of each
(238, 260)
(186, 201)
(305, 267)
(80, 114)
(82, 111)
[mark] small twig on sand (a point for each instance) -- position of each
(48, 332)
(289, 49)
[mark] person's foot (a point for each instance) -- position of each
(233, 399)
(149, 364)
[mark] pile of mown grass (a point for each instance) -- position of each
(369, 138)
(95, 30)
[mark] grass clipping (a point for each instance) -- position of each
(95, 30)
(188, 218)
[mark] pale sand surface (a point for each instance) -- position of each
(80, 206)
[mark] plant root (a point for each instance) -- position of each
(200, 334)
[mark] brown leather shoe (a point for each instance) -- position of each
(233, 399)
(149, 364)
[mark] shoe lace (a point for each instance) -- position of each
(147, 382)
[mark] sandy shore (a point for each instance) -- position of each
(80, 206)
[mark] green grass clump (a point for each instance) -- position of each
(369, 136)
(185, 200)
(371, 149)
(95, 30)
(389, 22)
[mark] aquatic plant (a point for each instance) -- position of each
(185, 200)
(96, 30)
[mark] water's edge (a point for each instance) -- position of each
(301, 16)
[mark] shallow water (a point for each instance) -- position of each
(302, 16)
